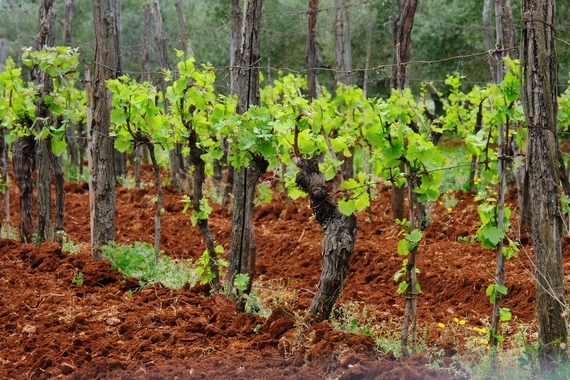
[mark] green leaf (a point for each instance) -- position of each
(402, 287)
(58, 146)
(505, 314)
(241, 282)
(118, 116)
(362, 202)
(490, 236)
(347, 207)
(415, 236)
(403, 247)
(123, 145)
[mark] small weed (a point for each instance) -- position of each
(350, 317)
(78, 279)
(449, 201)
(140, 260)
(69, 246)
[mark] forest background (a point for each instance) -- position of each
(448, 37)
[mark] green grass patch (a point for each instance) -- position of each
(140, 260)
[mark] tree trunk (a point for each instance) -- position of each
(343, 69)
(159, 195)
(400, 73)
(490, 40)
(185, 43)
(174, 155)
(242, 247)
(3, 53)
(5, 180)
(59, 198)
(235, 43)
(45, 38)
(68, 23)
(23, 159)
(338, 241)
(312, 50)
(539, 97)
(145, 54)
(343, 52)
(199, 178)
(106, 14)
(400, 77)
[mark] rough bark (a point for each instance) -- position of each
(338, 240)
(343, 51)
(312, 50)
(542, 194)
(242, 246)
(23, 159)
(68, 23)
(106, 14)
(45, 38)
(403, 43)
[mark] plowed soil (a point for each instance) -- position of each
(108, 328)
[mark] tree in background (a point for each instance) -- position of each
(400, 78)
(243, 251)
(312, 50)
(542, 182)
(106, 14)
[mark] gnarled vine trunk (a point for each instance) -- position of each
(24, 159)
(338, 240)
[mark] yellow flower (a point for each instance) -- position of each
(449, 209)
(441, 325)
(456, 320)
(462, 322)
(485, 341)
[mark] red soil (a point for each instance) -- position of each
(51, 327)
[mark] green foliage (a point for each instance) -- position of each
(18, 105)
(138, 115)
(493, 290)
(140, 260)
(401, 277)
(69, 246)
(78, 279)
(197, 215)
(264, 194)
(241, 282)
(203, 268)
